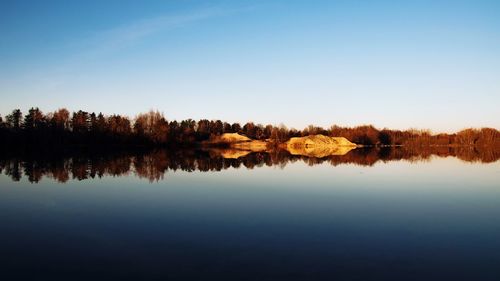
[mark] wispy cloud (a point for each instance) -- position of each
(78, 59)
(106, 41)
(87, 52)
(96, 46)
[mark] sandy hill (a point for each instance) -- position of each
(232, 138)
(319, 140)
(229, 153)
(319, 146)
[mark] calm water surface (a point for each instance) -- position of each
(437, 219)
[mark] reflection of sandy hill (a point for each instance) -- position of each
(230, 153)
(253, 145)
(319, 146)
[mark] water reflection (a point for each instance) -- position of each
(422, 221)
(154, 165)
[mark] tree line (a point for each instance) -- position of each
(62, 128)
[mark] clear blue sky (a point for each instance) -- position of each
(398, 64)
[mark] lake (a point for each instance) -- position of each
(191, 215)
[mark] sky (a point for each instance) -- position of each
(395, 64)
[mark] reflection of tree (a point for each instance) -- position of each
(13, 168)
(34, 170)
(153, 165)
(60, 171)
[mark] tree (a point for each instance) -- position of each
(488, 137)
(267, 131)
(34, 119)
(203, 129)
(217, 127)
(467, 136)
(259, 132)
(60, 119)
(80, 121)
(93, 123)
(227, 128)
(187, 130)
(279, 134)
(160, 131)
(236, 127)
(152, 125)
(14, 119)
(173, 128)
(119, 127)
(384, 137)
(366, 135)
(314, 130)
(283, 133)
(249, 130)
(101, 124)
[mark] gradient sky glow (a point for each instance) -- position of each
(396, 64)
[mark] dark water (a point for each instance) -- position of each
(197, 216)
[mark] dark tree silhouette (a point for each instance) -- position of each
(384, 137)
(236, 127)
(80, 121)
(60, 119)
(34, 120)
(14, 120)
